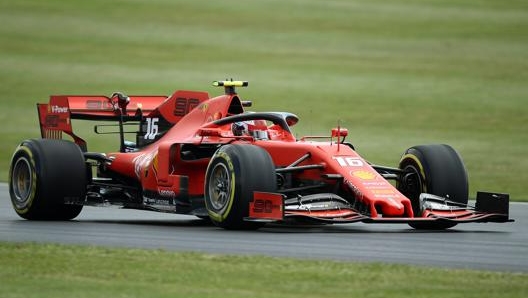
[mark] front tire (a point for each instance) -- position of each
(234, 173)
(436, 169)
(44, 175)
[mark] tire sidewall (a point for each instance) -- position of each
(412, 161)
(221, 156)
(23, 151)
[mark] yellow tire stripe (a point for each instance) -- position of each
(222, 217)
(33, 181)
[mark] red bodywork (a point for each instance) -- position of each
(178, 135)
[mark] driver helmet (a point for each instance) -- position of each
(240, 129)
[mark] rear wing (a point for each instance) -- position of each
(55, 117)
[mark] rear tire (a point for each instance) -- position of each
(233, 174)
(436, 169)
(44, 175)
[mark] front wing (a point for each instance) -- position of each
(271, 207)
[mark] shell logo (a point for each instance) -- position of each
(365, 175)
(217, 116)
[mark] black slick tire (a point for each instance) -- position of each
(233, 174)
(46, 178)
(435, 169)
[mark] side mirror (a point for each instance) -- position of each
(122, 101)
(291, 119)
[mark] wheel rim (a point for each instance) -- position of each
(412, 182)
(219, 187)
(22, 181)
(412, 186)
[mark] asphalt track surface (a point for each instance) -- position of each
(484, 246)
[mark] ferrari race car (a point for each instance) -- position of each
(209, 157)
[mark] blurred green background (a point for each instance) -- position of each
(395, 73)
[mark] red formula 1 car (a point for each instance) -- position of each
(209, 157)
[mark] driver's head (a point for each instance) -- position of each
(240, 129)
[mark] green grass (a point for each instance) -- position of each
(396, 73)
(31, 270)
